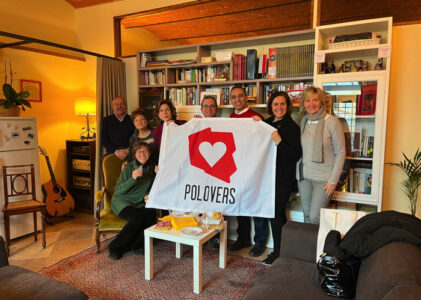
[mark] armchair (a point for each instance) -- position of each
(106, 220)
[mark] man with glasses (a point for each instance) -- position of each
(239, 100)
(209, 107)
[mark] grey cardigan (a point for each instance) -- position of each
(333, 151)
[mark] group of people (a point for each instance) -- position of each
(311, 155)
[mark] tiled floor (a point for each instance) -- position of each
(66, 237)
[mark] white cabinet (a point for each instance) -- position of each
(19, 146)
(359, 99)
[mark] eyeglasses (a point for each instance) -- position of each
(142, 151)
(209, 106)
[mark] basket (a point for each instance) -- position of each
(355, 43)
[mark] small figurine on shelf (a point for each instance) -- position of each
(324, 68)
(353, 68)
(379, 64)
(341, 68)
(360, 66)
(332, 68)
(365, 66)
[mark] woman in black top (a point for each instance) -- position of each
(287, 140)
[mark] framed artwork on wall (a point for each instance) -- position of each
(34, 89)
(214, 95)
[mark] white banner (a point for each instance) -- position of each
(216, 164)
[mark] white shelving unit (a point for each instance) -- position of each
(196, 52)
(360, 110)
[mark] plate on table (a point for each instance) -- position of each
(191, 231)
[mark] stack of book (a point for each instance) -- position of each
(144, 58)
(154, 77)
(291, 61)
(293, 90)
(367, 146)
(183, 96)
(240, 67)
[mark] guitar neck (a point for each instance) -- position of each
(50, 169)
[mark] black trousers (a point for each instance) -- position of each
(260, 230)
(131, 236)
(276, 224)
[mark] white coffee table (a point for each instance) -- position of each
(179, 239)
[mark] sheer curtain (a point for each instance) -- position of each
(111, 82)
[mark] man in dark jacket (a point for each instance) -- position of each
(117, 129)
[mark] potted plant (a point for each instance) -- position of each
(410, 185)
(14, 101)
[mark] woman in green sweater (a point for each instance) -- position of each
(128, 202)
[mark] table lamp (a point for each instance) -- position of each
(86, 106)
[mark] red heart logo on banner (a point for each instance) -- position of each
(212, 152)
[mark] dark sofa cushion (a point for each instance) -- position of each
(404, 292)
(391, 266)
(288, 278)
(18, 284)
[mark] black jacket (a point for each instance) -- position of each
(288, 153)
(376, 230)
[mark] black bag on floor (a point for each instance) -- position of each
(337, 278)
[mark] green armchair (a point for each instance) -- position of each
(106, 220)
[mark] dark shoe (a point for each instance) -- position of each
(257, 250)
(139, 251)
(215, 245)
(238, 245)
(270, 259)
(115, 254)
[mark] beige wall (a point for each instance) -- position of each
(63, 80)
(403, 132)
(92, 29)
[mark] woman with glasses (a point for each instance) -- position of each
(323, 144)
(128, 202)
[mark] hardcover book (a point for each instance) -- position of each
(251, 63)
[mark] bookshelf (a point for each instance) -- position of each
(193, 78)
(359, 99)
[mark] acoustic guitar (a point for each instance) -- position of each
(58, 201)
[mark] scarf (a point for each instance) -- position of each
(317, 155)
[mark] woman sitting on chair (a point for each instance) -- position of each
(128, 202)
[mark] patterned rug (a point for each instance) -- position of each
(98, 275)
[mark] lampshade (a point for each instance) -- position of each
(85, 105)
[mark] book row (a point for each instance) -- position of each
(358, 145)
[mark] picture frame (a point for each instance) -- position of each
(366, 104)
(216, 95)
(34, 89)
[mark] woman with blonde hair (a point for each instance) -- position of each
(323, 145)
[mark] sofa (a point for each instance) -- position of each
(392, 272)
(17, 283)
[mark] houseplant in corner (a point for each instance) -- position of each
(410, 185)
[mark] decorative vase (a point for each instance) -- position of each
(12, 111)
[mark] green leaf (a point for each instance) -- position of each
(23, 95)
(9, 92)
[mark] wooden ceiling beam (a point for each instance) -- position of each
(212, 9)
(265, 19)
(403, 12)
(250, 34)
